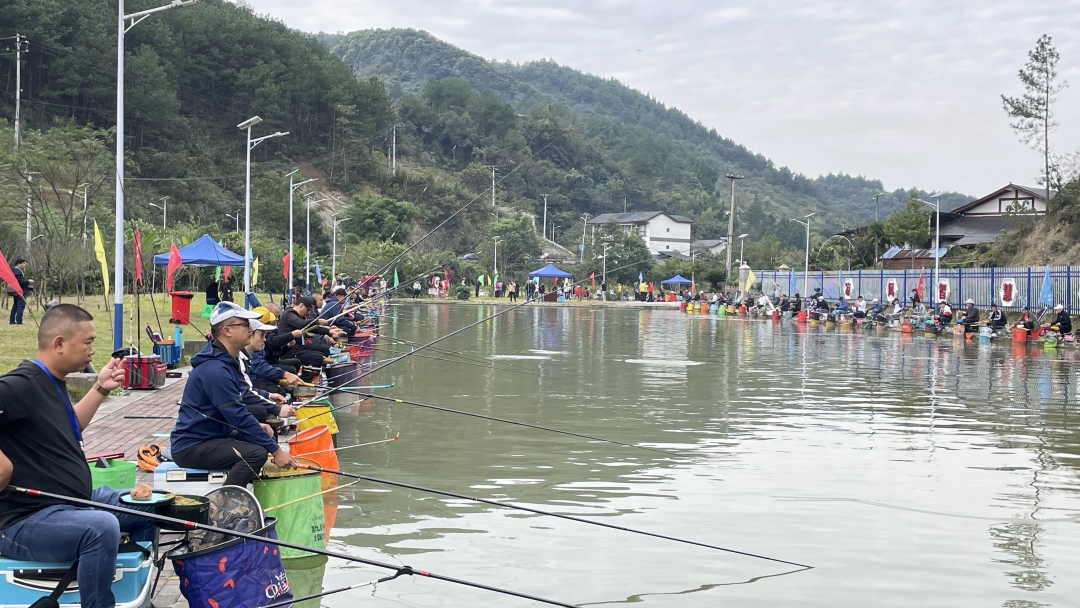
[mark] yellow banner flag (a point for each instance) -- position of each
(255, 272)
(750, 279)
(99, 252)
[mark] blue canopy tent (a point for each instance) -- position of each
(203, 252)
(677, 280)
(550, 272)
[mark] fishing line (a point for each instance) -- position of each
(349, 447)
(190, 525)
(514, 422)
(509, 505)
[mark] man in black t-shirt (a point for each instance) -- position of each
(40, 435)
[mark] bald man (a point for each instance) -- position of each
(40, 448)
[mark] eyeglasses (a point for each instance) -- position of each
(244, 325)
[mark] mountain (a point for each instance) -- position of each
(406, 59)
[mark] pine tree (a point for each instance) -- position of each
(1033, 111)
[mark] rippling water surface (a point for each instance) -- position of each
(907, 471)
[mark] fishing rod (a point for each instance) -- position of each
(347, 447)
(301, 600)
(514, 422)
(510, 505)
(191, 525)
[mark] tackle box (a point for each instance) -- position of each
(22, 583)
(173, 478)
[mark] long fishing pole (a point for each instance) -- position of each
(510, 505)
(514, 422)
(301, 600)
(348, 447)
(190, 525)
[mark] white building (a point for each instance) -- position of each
(662, 232)
(714, 246)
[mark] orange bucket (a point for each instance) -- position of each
(316, 444)
(1019, 334)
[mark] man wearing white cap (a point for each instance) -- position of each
(214, 430)
(971, 317)
(1063, 320)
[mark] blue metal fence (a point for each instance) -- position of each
(983, 285)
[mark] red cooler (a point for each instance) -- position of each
(181, 307)
(144, 372)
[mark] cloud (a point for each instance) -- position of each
(907, 91)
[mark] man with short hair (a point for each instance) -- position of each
(214, 429)
(40, 435)
(299, 318)
(334, 308)
(18, 303)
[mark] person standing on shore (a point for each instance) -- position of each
(18, 303)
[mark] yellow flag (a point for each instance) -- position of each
(750, 278)
(99, 251)
(255, 272)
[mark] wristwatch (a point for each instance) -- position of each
(101, 389)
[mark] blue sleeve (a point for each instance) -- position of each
(226, 394)
(261, 369)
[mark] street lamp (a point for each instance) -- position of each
(333, 262)
(292, 188)
(307, 244)
(603, 276)
(693, 269)
(840, 236)
(164, 206)
(85, 198)
(806, 261)
(731, 221)
(235, 216)
(118, 266)
(251, 143)
(584, 225)
(496, 277)
(937, 238)
(741, 243)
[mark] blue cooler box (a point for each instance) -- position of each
(22, 583)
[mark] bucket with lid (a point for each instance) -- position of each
(294, 497)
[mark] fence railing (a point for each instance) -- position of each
(1012, 288)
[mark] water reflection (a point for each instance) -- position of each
(874, 456)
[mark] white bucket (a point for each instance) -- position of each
(986, 331)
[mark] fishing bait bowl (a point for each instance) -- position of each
(188, 508)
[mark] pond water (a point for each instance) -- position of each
(907, 471)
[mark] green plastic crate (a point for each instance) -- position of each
(119, 476)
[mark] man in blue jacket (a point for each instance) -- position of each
(214, 429)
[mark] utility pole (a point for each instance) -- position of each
(492, 167)
(876, 220)
(545, 215)
(393, 154)
(624, 204)
(731, 223)
(18, 86)
(29, 204)
(165, 212)
(603, 278)
(584, 225)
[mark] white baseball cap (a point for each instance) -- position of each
(258, 325)
(1059, 307)
(227, 310)
(970, 301)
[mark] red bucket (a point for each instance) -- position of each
(776, 315)
(802, 316)
(1019, 334)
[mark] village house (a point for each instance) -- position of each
(664, 233)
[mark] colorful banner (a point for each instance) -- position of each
(1008, 292)
(99, 253)
(138, 257)
(175, 261)
(255, 272)
(8, 275)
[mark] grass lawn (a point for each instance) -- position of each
(20, 341)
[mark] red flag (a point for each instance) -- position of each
(592, 277)
(138, 257)
(227, 269)
(174, 264)
(919, 286)
(285, 261)
(9, 276)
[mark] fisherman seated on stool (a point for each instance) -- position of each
(213, 423)
(40, 435)
(296, 318)
(334, 312)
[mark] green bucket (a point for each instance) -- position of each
(119, 475)
(295, 501)
(305, 576)
(720, 310)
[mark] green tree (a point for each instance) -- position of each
(1032, 113)
(374, 217)
(627, 255)
(910, 225)
(519, 247)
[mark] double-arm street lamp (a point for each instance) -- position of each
(333, 263)
(251, 143)
(936, 205)
(164, 206)
(292, 189)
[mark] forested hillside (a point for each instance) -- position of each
(406, 59)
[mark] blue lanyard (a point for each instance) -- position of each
(66, 398)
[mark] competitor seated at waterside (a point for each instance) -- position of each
(262, 403)
(40, 433)
(298, 318)
(213, 423)
(334, 312)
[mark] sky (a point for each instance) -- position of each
(907, 91)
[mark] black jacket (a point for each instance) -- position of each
(290, 320)
(1064, 322)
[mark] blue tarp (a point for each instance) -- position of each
(677, 280)
(203, 252)
(550, 272)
